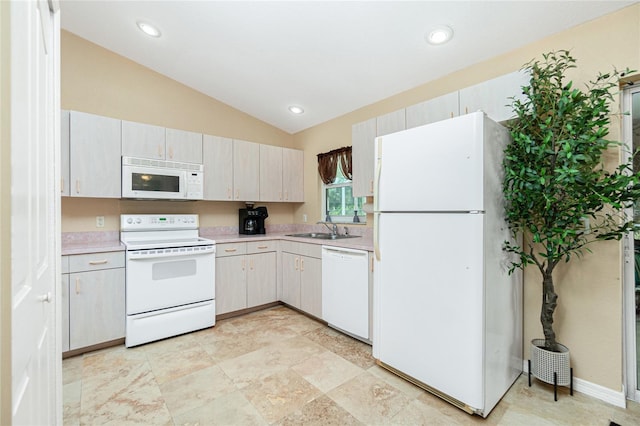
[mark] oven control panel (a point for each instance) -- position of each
(141, 222)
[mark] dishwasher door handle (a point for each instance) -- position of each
(342, 250)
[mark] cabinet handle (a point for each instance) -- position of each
(371, 263)
(280, 195)
(61, 184)
(296, 263)
(301, 265)
(243, 264)
(371, 186)
(98, 262)
(171, 153)
(466, 110)
(451, 114)
(251, 264)
(229, 250)
(229, 193)
(262, 247)
(77, 186)
(77, 285)
(237, 194)
(159, 151)
(286, 195)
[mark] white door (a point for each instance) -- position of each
(35, 217)
(438, 167)
(429, 300)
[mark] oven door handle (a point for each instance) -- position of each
(164, 253)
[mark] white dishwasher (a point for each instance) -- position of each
(345, 290)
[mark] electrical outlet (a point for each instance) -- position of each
(304, 218)
(99, 221)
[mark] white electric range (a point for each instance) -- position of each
(170, 277)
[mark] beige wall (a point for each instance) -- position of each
(101, 82)
(589, 315)
(5, 219)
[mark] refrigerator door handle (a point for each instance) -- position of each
(376, 202)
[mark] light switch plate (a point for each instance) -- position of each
(99, 221)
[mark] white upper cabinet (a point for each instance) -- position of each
(94, 155)
(363, 135)
(390, 123)
(64, 152)
(183, 146)
(292, 175)
(160, 143)
(246, 171)
(143, 140)
(436, 109)
(493, 96)
(217, 153)
(271, 173)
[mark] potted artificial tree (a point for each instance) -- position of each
(558, 191)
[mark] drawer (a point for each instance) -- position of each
(64, 265)
(311, 250)
(261, 246)
(304, 249)
(230, 249)
(96, 261)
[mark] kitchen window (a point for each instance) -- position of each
(339, 204)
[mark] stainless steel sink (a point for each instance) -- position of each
(322, 236)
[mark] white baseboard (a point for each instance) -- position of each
(591, 389)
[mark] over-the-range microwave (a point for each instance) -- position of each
(143, 178)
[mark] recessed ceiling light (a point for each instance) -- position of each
(439, 35)
(148, 29)
(296, 109)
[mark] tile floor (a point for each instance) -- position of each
(279, 367)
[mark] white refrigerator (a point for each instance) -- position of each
(447, 315)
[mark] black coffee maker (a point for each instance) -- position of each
(251, 220)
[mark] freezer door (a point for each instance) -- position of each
(428, 301)
(437, 167)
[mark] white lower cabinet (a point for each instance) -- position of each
(302, 277)
(245, 275)
(94, 300)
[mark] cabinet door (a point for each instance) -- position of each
(64, 315)
(183, 146)
(390, 123)
(436, 109)
(291, 279)
(311, 285)
(246, 171)
(270, 173)
(94, 155)
(64, 153)
(143, 140)
(96, 307)
(261, 279)
(492, 96)
(218, 167)
(231, 284)
(293, 175)
(363, 157)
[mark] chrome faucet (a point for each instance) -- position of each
(333, 229)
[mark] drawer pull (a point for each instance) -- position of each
(98, 262)
(77, 186)
(301, 265)
(296, 263)
(77, 285)
(229, 250)
(263, 247)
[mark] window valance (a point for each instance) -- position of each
(328, 164)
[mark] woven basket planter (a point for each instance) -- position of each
(544, 363)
